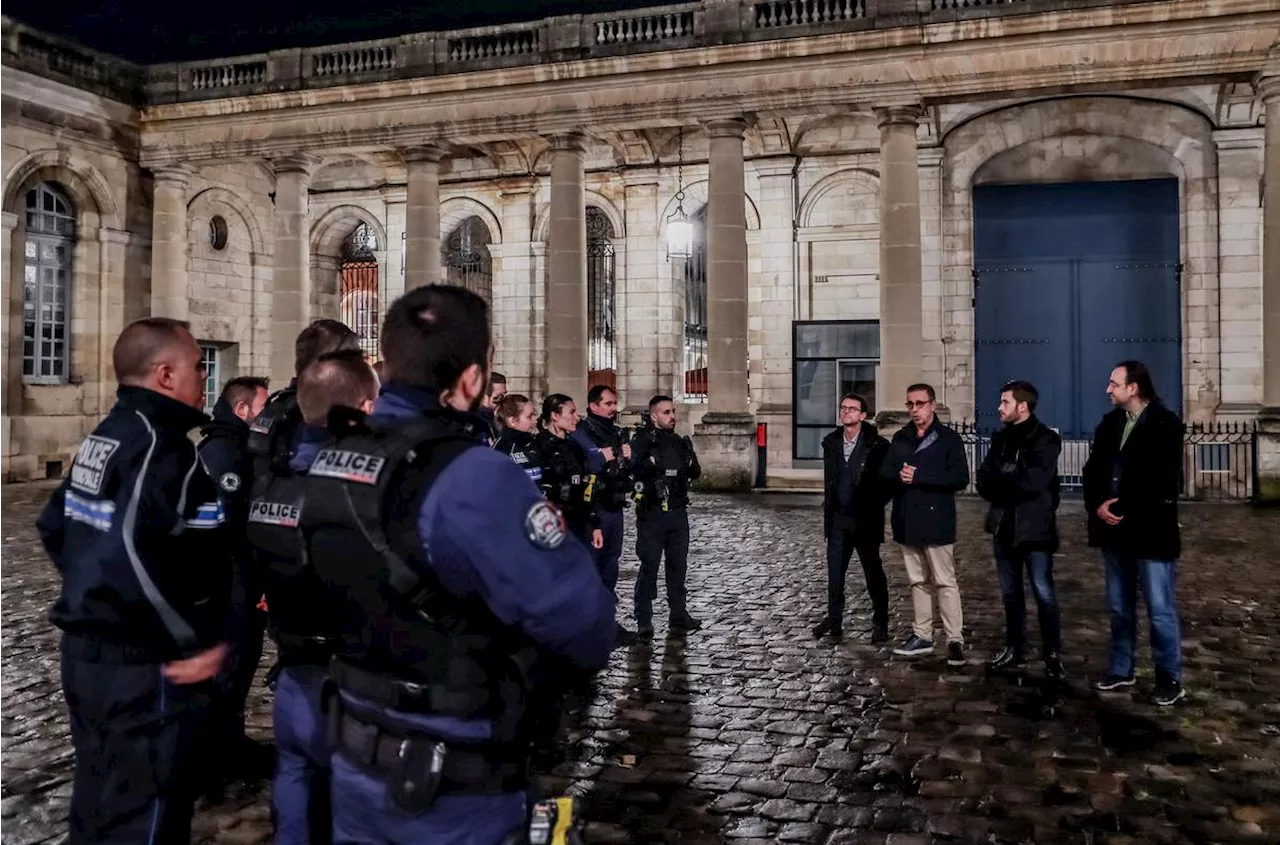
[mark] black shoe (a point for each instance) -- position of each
(879, 634)
(955, 653)
(625, 637)
(825, 627)
(1167, 692)
(1008, 658)
(683, 623)
(1114, 682)
(644, 631)
(1053, 667)
(914, 647)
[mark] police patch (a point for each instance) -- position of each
(90, 466)
(545, 525)
(283, 514)
(346, 465)
(229, 482)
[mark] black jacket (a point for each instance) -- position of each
(564, 480)
(1019, 477)
(663, 464)
(139, 536)
(865, 512)
(924, 512)
(1146, 477)
(224, 448)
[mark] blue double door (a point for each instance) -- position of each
(1069, 280)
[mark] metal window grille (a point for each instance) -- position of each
(695, 312)
(212, 376)
(358, 304)
(46, 284)
(601, 298)
(466, 260)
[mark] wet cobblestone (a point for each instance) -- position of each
(749, 731)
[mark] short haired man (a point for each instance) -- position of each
(224, 449)
(1019, 477)
(303, 617)
(138, 535)
(927, 466)
(1132, 482)
(664, 465)
(502, 584)
(853, 503)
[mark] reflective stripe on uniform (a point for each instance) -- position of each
(95, 514)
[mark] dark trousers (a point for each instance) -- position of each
(233, 690)
(300, 790)
(661, 536)
(138, 743)
(606, 558)
(841, 544)
(1012, 564)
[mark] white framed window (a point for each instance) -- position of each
(212, 375)
(46, 285)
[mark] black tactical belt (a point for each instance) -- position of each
(298, 650)
(411, 697)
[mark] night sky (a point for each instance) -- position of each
(177, 30)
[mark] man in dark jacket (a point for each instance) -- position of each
(224, 450)
(139, 539)
(926, 465)
(1019, 477)
(853, 503)
(1131, 485)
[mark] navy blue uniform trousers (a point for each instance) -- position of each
(606, 558)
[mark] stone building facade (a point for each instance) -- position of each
(830, 154)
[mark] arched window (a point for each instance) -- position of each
(359, 300)
(602, 356)
(466, 260)
(695, 312)
(46, 284)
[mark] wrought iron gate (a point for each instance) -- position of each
(602, 350)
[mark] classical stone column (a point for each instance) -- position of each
(422, 216)
(901, 264)
(291, 278)
(1269, 436)
(169, 293)
(518, 296)
(726, 431)
(567, 270)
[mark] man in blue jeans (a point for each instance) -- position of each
(1131, 485)
(1019, 477)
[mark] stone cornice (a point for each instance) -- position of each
(869, 68)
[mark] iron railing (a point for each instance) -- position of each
(1219, 459)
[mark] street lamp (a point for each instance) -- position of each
(679, 227)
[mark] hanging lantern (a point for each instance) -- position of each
(679, 228)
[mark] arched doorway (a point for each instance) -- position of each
(695, 312)
(466, 260)
(358, 298)
(602, 350)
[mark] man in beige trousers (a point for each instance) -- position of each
(926, 465)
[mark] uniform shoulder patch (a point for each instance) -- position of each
(89, 469)
(545, 525)
(230, 482)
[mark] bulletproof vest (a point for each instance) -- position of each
(364, 492)
(271, 434)
(565, 478)
(523, 451)
(610, 487)
(668, 478)
(301, 616)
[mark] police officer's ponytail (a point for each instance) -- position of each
(552, 405)
(509, 408)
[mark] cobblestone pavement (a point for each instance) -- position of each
(751, 732)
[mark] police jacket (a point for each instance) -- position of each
(224, 448)
(664, 464)
(273, 434)
(612, 478)
(522, 448)
(1145, 475)
(853, 494)
(481, 565)
(1019, 477)
(302, 619)
(138, 534)
(924, 512)
(567, 482)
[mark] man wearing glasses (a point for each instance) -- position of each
(926, 465)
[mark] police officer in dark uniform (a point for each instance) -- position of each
(664, 464)
(138, 535)
(488, 409)
(518, 420)
(302, 621)
(225, 453)
(566, 481)
(453, 578)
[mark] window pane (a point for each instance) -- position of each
(809, 443)
(31, 249)
(815, 393)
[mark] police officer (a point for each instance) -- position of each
(302, 623)
(518, 420)
(664, 464)
(608, 452)
(138, 535)
(488, 409)
(566, 481)
(224, 451)
(452, 577)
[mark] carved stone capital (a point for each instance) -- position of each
(908, 115)
(8, 220)
(176, 176)
(296, 163)
(570, 142)
(733, 127)
(430, 153)
(1268, 85)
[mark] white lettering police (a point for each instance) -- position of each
(274, 513)
(347, 466)
(89, 468)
